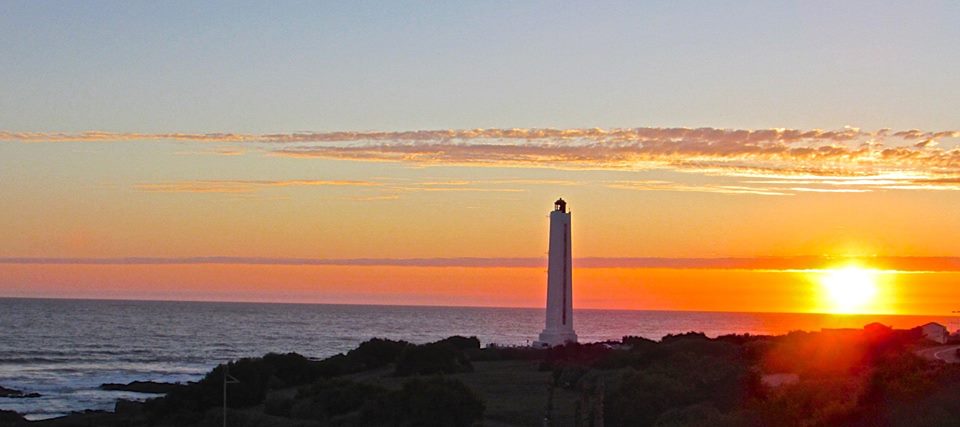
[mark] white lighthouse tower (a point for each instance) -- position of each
(559, 324)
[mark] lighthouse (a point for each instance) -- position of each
(559, 322)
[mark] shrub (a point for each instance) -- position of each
(462, 343)
(375, 353)
(433, 358)
(290, 368)
(278, 406)
(427, 403)
(337, 397)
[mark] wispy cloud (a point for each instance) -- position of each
(102, 136)
(918, 159)
(655, 185)
(829, 190)
(454, 135)
(219, 151)
(836, 155)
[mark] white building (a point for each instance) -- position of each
(559, 319)
(935, 332)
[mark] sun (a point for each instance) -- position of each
(851, 289)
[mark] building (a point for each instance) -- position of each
(559, 315)
(935, 332)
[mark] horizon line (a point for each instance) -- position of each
(507, 307)
(807, 262)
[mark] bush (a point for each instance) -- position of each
(574, 354)
(187, 404)
(508, 353)
(435, 402)
(290, 369)
(642, 397)
(680, 372)
(337, 397)
(684, 336)
(278, 406)
(462, 343)
(690, 416)
(375, 353)
(434, 358)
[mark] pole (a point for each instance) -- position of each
(225, 365)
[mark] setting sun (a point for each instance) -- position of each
(850, 289)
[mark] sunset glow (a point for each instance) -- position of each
(509, 213)
(414, 157)
(849, 290)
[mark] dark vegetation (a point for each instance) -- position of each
(868, 377)
(442, 357)
(324, 397)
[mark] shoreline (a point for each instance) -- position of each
(389, 365)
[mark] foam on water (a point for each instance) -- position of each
(64, 349)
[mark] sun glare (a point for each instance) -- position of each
(849, 290)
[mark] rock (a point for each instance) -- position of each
(16, 394)
(142, 387)
(11, 418)
(27, 396)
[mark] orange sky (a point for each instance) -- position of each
(620, 288)
(102, 197)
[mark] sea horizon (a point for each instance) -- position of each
(576, 309)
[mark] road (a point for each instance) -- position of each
(946, 353)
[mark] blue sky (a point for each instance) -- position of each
(275, 67)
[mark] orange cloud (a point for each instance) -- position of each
(781, 152)
(655, 185)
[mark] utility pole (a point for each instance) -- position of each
(227, 379)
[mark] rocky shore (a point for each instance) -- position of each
(148, 387)
(16, 394)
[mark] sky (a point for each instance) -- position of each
(715, 156)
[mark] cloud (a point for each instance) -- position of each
(891, 181)
(101, 136)
(373, 198)
(655, 185)
(905, 264)
(847, 152)
(219, 151)
(241, 186)
(829, 190)
(729, 138)
(388, 189)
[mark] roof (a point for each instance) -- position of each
(924, 326)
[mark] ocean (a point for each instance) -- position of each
(64, 349)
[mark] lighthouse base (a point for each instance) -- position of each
(555, 338)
